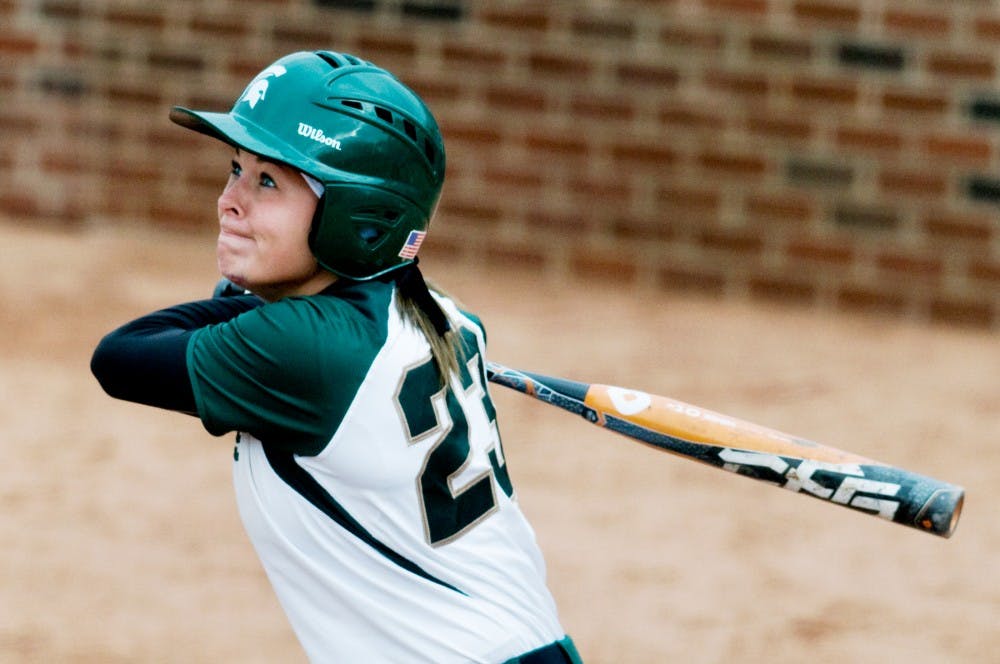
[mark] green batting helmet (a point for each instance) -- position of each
(370, 140)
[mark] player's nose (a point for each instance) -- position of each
(231, 201)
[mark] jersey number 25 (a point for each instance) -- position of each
(432, 412)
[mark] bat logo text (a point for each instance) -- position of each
(843, 483)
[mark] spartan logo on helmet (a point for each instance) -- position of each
(257, 89)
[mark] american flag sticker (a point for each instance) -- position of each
(412, 244)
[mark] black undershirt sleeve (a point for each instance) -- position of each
(145, 361)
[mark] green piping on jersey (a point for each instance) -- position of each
(295, 476)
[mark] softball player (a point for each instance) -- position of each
(368, 467)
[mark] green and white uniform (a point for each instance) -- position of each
(378, 502)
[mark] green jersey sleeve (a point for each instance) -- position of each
(285, 372)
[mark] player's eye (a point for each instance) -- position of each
(267, 181)
(235, 170)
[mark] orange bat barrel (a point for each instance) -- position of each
(752, 450)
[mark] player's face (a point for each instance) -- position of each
(265, 213)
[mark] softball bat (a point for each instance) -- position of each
(751, 450)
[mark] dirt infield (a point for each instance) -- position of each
(121, 540)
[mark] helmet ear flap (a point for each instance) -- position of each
(359, 231)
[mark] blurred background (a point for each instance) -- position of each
(782, 210)
(838, 154)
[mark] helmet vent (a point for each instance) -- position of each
(416, 134)
(382, 214)
(370, 235)
(338, 60)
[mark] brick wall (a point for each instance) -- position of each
(833, 153)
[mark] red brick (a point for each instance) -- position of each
(20, 205)
(870, 139)
(782, 289)
(219, 26)
(912, 182)
(211, 99)
(568, 144)
(785, 47)
(17, 44)
(962, 65)
(632, 228)
(636, 73)
(136, 18)
(736, 241)
(871, 299)
(949, 225)
(515, 177)
(61, 163)
(966, 313)
(825, 91)
(647, 154)
(520, 19)
(605, 265)
(602, 107)
(310, 35)
(562, 66)
(136, 171)
(14, 123)
(523, 256)
(172, 137)
(730, 7)
(181, 60)
(738, 83)
(135, 93)
(986, 270)
(692, 37)
(987, 27)
(916, 101)
(510, 97)
(559, 222)
(691, 117)
(910, 266)
(734, 164)
(916, 21)
(842, 14)
(689, 199)
(180, 214)
(780, 207)
(67, 10)
(438, 247)
(481, 213)
(703, 280)
(603, 27)
(434, 91)
(814, 250)
(609, 191)
(479, 56)
(779, 127)
(475, 134)
(962, 149)
(209, 184)
(388, 45)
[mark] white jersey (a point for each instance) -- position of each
(393, 536)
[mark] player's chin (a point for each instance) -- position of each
(232, 271)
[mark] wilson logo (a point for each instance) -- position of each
(314, 134)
